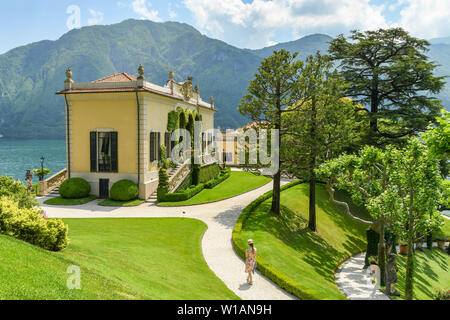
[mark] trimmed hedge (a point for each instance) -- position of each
(208, 172)
(240, 245)
(124, 190)
(221, 178)
(194, 189)
(182, 196)
(74, 188)
(172, 121)
(28, 225)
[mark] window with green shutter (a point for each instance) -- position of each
(155, 145)
(104, 151)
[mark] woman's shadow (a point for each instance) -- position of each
(244, 286)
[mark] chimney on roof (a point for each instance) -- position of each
(68, 83)
(212, 102)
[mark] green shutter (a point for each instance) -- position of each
(114, 152)
(152, 146)
(93, 144)
(159, 145)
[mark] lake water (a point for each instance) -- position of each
(16, 156)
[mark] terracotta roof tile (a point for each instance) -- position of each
(118, 77)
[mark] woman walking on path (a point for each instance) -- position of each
(250, 262)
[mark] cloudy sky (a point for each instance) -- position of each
(243, 23)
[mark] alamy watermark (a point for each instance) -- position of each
(74, 280)
(250, 147)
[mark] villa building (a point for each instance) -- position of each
(115, 127)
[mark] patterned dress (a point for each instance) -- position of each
(250, 260)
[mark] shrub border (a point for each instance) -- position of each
(236, 195)
(190, 192)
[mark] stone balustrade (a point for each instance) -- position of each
(50, 184)
(179, 176)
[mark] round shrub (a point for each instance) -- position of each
(74, 188)
(124, 190)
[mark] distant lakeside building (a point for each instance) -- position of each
(115, 126)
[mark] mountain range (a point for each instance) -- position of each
(30, 75)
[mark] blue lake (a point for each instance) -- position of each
(16, 156)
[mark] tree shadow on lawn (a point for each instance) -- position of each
(423, 268)
(348, 226)
(292, 229)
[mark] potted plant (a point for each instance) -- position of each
(404, 248)
(373, 264)
(441, 241)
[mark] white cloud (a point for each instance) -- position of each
(141, 8)
(96, 17)
(172, 14)
(425, 18)
(254, 24)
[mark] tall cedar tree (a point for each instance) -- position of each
(324, 127)
(272, 90)
(391, 75)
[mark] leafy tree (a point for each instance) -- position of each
(269, 94)
(321, 128)
(438, 141)
(18, 192)
(390, 73)
(416, 192)
(401, 188)
(365, 176)
(41, 173)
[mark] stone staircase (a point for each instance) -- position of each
(170, 172)
(54, 193)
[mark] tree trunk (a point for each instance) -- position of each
(382, 255)
(409, 284)
(276, 198)
(373, 132)
(312, 202)
(276, 193)
(312, 174)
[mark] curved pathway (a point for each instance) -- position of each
(355, 282)
(217, 247)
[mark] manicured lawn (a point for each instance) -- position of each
(113, 203)
(238, 183)
(119, 259)
(307, 258)
(445, 230)
(60, 201)
(432, 273)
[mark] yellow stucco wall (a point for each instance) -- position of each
(118, 112)
(157, 110)
(92, 112)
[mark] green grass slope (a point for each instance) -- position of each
(119, 259)
(306, 258)
(238, 183)
(432, 274)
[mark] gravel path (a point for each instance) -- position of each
(355, 282)
(216, 244)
